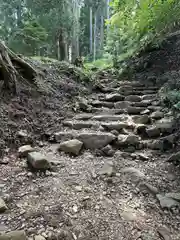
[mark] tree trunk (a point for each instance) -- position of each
(91, 32)
(102, 33)
(13, 68)
(95, 26)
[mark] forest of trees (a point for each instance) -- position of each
(65, 29)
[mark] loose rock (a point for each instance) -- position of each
(174, 157)
(107, 169)
(38, 161)
(128, 140)
(24, 150)
(3, 206)
(108, 151)
(72, 146)
(166, 202)
(39, 237)
(95, 140)
(14, 235)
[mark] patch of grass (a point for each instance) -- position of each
(44, 59)
(102, 63)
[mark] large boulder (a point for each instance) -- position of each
(95, 140)
(14, 235)
(38, 161)
(72, 146)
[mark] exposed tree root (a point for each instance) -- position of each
(13, 68)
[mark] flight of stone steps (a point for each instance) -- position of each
(128, 117)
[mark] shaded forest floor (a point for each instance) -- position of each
(115, 192)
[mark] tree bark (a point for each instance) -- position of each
(95, 26)
(13, 68)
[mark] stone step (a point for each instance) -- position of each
(95, 125)
(138, 88)
(98, 103)
(128, 89)
(155, 130)
(91, 139)
(77, 125)
(115, 97)
(149, 97)
(125, 104)
(105, 111)
(163, 143)
(135, 110)
(136, 92)
(108, 117)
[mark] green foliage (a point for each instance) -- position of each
(102, 63)
(136, 24)
(29, 39)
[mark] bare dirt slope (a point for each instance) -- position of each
(119, 186)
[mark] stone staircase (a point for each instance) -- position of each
(127, 116)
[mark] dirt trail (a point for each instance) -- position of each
(114, 188)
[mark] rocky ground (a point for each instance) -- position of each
(107, 171)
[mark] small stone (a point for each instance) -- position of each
(22, 133)
(164, 233)
(133, 172)
(107, 169)
(175, 157)
(72, 146)
(24, 150)
(83, 104)
(149, 187)
(115, 132)
(78, 188)
(128, 139)
(129, 215)
(143, 156)
(146, 111)
(3, 206)
(3, 228)
(173, 195)
(108, 151)
(166, 202)
(38, 161)
(75, 208)
(14, 235)
(39, 237)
